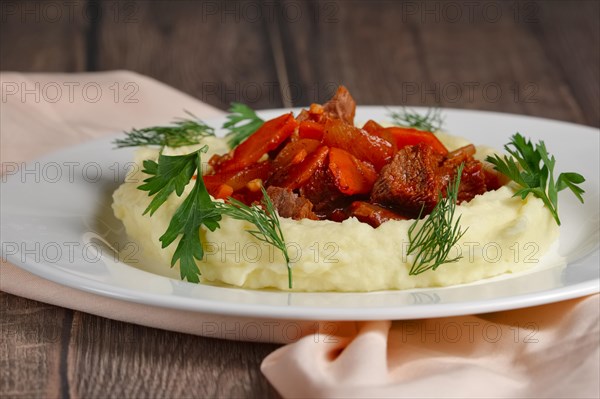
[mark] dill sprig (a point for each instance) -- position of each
(182, 132)
(239, 131)
(432, 242)
(266, 221)
(533, 178)
(432, 121)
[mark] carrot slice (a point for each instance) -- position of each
(293, 154)
(311, 130)
(236, 179)
(301, 174)
(404, 136)
(371, 126)
(351, 175)
(267, 138)
(357, 142)
(224, 191)
(289, 154)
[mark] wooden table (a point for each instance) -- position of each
(535, 58)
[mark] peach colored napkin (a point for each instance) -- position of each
(546, 351)
(40, 113)
(549, 351)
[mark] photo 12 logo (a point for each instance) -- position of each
(254, 252)
(68, 11)
(70, 252)
(470, 12)
(469, 331)
(269, 11)
(53, 92)
(70, 172)
(468, 92)
(252, 92)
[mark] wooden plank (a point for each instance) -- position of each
(114, 359)
(32, 354)
(42, 36)
(569, 33)
(362, 45)
(218, 52)
(453, 54)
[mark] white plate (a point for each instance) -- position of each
(56, 211)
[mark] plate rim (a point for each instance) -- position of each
(303, 312)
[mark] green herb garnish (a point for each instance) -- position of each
(239, 131)
(534, 172)
(432, 121)
(173, 173)
(266, 221)
(181, 133)
(432, 241)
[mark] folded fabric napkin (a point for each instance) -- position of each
(545, 351)
(549, 351)
(45, 112)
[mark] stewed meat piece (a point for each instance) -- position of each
(410, 181)
(341, 106)
(290, 205)
(416, 176)
(372, 214)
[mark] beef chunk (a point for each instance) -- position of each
(289, 205)
(410, 181)
(329, 202)
(472, 180)
(341, 106)
(372, 214)
(417, 175)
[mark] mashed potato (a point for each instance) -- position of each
(505, 235)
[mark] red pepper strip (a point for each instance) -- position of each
(371, 126)
(301, 174)
(351, 175)
(373, 214)
(404, 136)
(357, 142)
(237, 179)
(267, 138)
(311, 130)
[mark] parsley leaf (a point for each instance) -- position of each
(173, 173)
(238, 131)
(532, 168)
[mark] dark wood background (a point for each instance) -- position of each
(526, 57)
